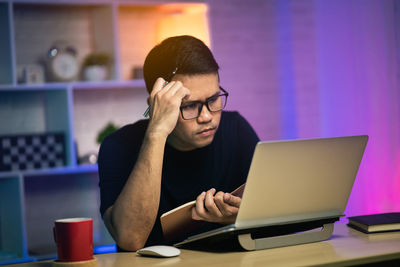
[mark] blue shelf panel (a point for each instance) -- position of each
(12, 232)
(6, 62)
(6, 261)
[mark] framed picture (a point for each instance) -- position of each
(31, 74)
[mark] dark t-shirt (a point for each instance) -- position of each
(222, 165)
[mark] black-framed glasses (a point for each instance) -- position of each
(215, 103)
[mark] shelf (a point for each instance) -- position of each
(80, 169)
(108, 85)
(79, 109)
(33, 87)
(81, 85)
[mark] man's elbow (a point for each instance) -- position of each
(124, 237)
(130, 242)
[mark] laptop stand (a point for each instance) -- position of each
(263, 237)
(248, 243)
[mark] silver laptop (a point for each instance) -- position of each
(296, 182)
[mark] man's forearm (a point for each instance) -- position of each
(133, 215)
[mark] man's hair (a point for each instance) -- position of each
(187, 54)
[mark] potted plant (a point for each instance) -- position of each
(96, 66)
(104, 132)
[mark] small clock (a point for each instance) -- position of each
(63, 63)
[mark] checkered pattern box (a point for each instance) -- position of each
(32, 151)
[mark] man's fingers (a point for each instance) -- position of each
(219, 201)
(182, 93)
(232, 200)
(161, 87)
(210, 205)
(216, 207)
(170, 88)
(176, 89)
(195, 216)
(158, 85)
(173, 93)
(199, 210)
(226, 208)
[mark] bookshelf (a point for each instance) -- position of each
(30, 200)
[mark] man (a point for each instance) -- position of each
(188, 149)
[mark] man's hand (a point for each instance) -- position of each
(164, 102)
(221, 207)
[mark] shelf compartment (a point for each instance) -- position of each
(141, 27)
(95, 108)
(37, 27)
(64, 196)
(35, 112)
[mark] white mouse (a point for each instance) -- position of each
(159, 251)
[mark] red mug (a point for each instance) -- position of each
(74, 239)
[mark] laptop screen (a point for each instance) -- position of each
(300, 180)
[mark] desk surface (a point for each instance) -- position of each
(345, 247)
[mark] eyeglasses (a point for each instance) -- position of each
(215, 103)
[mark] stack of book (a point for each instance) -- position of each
(374, 223)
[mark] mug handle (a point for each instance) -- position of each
(54, 234)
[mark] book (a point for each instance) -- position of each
(178, 222)
(373, 223)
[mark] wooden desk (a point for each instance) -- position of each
(345, 247)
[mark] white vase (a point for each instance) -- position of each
(95, 73)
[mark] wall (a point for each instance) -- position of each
(301, 69)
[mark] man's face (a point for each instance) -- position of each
(198, 132)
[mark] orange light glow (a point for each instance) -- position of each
(184, 20)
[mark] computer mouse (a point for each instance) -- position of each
(159, 251)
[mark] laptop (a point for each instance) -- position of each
(292, 186)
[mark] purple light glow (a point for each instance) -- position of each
(360, 95)
(303, 69)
